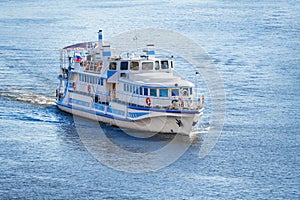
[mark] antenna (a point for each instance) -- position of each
(196, 84)
(135, 38)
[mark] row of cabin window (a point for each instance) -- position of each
(163, 92)
(134, 65)
(90, 79)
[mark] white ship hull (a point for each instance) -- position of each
(135, 91)
(143, 119)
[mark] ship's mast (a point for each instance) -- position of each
(100, 41)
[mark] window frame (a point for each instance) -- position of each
(146, 91)
(163, 92)
(124, 87)
(121, 65)
(151, 92)
(112, 64)
(145, 66)
(162, 64)
(156, 65)
(141, 90)
(134, 68)
(173, 94)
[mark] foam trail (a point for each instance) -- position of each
(37, 99)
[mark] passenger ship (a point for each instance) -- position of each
(138, 92)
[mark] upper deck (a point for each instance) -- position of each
(129, 78)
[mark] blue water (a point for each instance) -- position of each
(255, 46)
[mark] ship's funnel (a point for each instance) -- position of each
(100, 42)
(150, 50)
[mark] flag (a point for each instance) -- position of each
(78, 58)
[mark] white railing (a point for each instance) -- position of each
(92, 66)
(160, 102)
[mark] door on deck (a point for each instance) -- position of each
(113, 91)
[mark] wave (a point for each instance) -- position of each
(37, 99)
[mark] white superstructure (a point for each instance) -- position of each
(136, 91)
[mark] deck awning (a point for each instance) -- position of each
(80, 46)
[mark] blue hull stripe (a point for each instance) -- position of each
(137, 114)
(79, 102)
(166, 111)
(95, 112)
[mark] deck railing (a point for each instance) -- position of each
(91, 66)
(175, 103)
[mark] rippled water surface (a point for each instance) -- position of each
(255, 46)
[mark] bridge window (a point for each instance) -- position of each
(146, 91)
(153, 92)
(133, 89)
(124, 65)
(141, 91)
(191, 91)
(125, 87)
(164, 64)
(156, 65)
(134, 66)
(175, 92)
(96, 98)
(113, 66)
(163, 92)
(147, 66)
(123, 75)
(184, 92)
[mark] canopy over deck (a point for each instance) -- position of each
(80, 46)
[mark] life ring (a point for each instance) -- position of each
(148, 101)
(89, 89)
(181, 101)
(73, 85)
(202, 99)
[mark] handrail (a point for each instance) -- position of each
(175, 103)
(92, 66)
